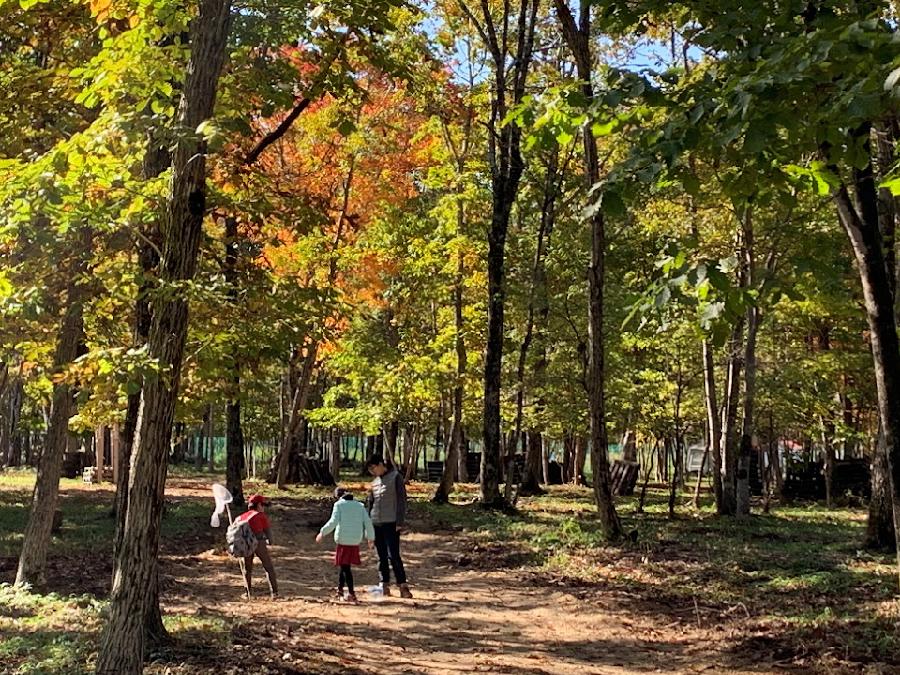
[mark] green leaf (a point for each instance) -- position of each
(346, 127)
(703, 289)
(563, 137)
(696, 113)
(600, 129)
(711, 311)
(690, 183)
(663, 297)
(892, 184)
(755, 139)
(6, 287)
(728, 264)
(612, 204)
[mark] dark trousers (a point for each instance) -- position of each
(346, 578)
(262, 552)
(387, 543)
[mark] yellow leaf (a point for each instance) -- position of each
(99, 6)
(134, 20)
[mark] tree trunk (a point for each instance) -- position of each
(36, 542)
(580, 452)
(99, 452)
(533, 472)
(391, 434)
(211, 439)
(536, 440)
(578, 37)
(234, 432)
(862, 228)
(699, 484)
(676, 476)
(456, 455)
(629, 447)
(455, 463)
(334, 455)
(122, 642)
(536, 326)
(289, 442)
(507, 166)
(409, 453)
(746, 447)
(156, 160)
(732, 388)
(880, 524)
(28, 447)
(234, 448)
(5, 423)
(828, 469)
(777, 480)
(15, 398)
(880, 533)
(491, 456)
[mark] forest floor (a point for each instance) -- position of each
(535, 593)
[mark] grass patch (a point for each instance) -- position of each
(46, 633)
(54, 633)
(797, 571)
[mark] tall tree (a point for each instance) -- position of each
(859, 218)
(536, 322)
(122, 643)
(234, 433)
(509, 39)
(578, 37)
(36, 542)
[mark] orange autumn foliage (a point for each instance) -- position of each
(326, 188)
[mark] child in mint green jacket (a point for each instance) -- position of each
(350, 523)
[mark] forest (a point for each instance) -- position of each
(612, 284)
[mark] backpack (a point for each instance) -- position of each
(241, 540)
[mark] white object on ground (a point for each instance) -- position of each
(376, 592)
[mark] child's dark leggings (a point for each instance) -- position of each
(346, 578)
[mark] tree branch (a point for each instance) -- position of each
(298, 109)
(276, 133)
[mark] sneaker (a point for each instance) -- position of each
(405, 592)
(351, 598)
(386, 590)
(339, 594)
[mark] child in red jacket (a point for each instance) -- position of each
(259, 524)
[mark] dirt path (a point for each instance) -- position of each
(461, 620)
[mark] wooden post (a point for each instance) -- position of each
(100, 447)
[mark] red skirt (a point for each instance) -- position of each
(346, 555)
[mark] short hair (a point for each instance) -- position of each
(374, 460)
(339, 492)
